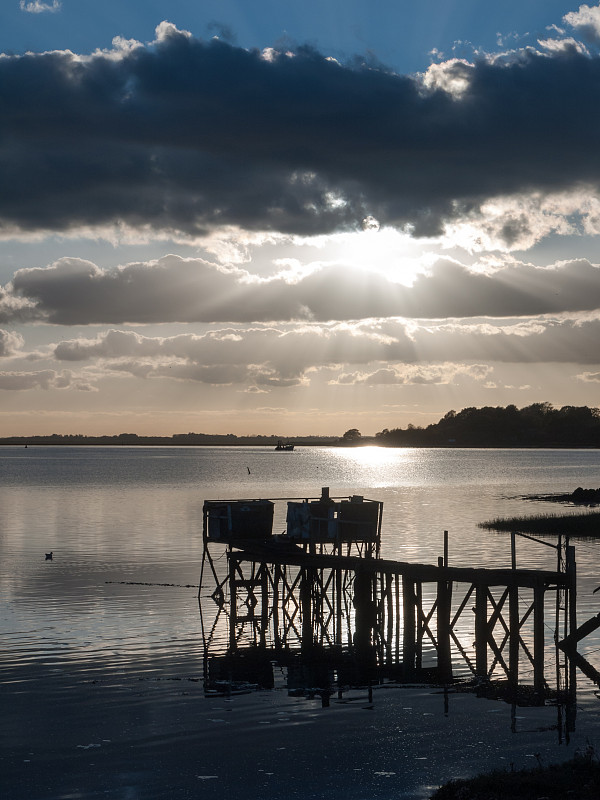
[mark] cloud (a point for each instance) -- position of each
(10, 343)
(265, 356)
(586, 20)
(182, 135)
(416, 375)
(173, 289)
(43, 379)
(39, 7)
(385, 352)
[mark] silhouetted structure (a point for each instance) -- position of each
(319, 600)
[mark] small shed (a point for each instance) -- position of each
(238, 520)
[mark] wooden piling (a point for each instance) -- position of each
(514, 634)
(390, 617)
(408, 639)
(444, 602)
(538, 639)
(481, 630)
(264, 609)
(420, 628)
(571, 568)
(232, 601)
(306, 609)
(275, 606)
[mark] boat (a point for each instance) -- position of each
(287, 448)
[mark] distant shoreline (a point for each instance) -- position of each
(262, 441)
(539, 426)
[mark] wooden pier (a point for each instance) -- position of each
(322, 587)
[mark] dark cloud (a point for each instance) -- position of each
(174, 289)
(188, 135)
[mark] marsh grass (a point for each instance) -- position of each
(584, 525)
(578, 779)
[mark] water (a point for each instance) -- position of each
(115, 516)
(122, 521)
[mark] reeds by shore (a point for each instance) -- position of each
(584, 525)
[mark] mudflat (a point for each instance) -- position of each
(121, 737)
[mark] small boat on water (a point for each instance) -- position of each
(281, 446)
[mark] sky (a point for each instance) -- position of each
(295, 218)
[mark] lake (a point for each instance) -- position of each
(119, 597)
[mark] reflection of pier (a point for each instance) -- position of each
(321, 591)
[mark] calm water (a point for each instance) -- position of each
(119, 517)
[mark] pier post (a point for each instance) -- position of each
(514, 633)
(419, 615)
(264, 611)
(276, 578)
(397, 612)
(571, 568)
(481, 630)
(538, 639)
(444, 601)
(408, 615)
(306, 609)
(232, 601)
(339, 593)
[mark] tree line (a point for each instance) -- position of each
(537, 425)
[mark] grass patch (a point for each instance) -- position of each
(584, 525)
(578, 779)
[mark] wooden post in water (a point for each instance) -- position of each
(397, 612)
(444, 598)
(513, 634)
(481, 630)
(232, 601)
(538, 639)
(513, 618)
(365, 619)
(513, 550)
(339, 592)
(408, 616)
(420, 629)
(306, 609)
(390, 616)
(276, 578)
(264, 610)
(571, 568)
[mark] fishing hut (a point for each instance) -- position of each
(321, 591)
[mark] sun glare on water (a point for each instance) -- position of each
(374, 466)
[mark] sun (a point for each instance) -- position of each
(382, 250)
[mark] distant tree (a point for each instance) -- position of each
(352, 435)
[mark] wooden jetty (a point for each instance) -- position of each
(323, 586)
